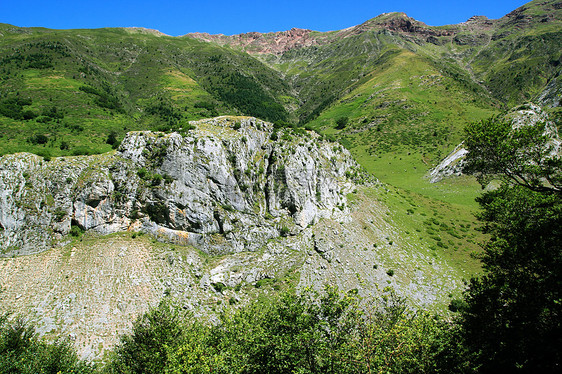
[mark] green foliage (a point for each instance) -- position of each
(511, 321)
(341, 123)
(143, 174)
(112, 140)
(103, 97)
(76, 231)
(284, 231)
(158, 212)
(218, 286)
(457, 305)
(13, 107)
(38, 139)
(308, 333)
(21, 351)
(145, 351)
(522, 155)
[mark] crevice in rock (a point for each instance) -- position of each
(268, 180)
(217, 217)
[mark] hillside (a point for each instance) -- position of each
(232, 212)
(222, 169)
(66, 91)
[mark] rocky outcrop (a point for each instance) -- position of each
(551, 96)
(228, 186)
(259, 43)
(450, 166)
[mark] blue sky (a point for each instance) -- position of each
(234, 17)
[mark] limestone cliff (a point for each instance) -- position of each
(229, 185)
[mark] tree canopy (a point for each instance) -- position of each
(525, 155)
(512, 320)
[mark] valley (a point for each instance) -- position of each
(219, 171)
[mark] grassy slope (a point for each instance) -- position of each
(523, 54)
(149, 81)
(404, 119)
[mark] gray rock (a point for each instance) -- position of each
(219, 189)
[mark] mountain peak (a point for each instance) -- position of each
(398, 22)
(262, 43)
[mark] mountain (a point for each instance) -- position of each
(394, 78)
(219, 169)
(233, 210)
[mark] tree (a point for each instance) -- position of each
(526, 155)
(22, 351)
(341, 123)
(146, 350)
(512, 319)
(329, 332)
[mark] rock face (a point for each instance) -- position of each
(258, 43)
(230, 185)
(451, 165)
(270, 203)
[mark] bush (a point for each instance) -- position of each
(112, 139)
(45, 154)
(154, 334)
(219, 287)
(284, 231)
(316, 333)
(38, 139)
(22, 351)
(76, 231)
(143, 173)
(457, 305)
(341, 123)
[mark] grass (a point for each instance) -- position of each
(408, 172)
(447, 230)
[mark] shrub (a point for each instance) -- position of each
(341, 123)
(218, 286)
(76, 231)
(112, 138)
(146, 349)
(457, 305)
(39, 139)
(284, 231)
(22, 351)
(45, 154)
(59, 214)
(143, 174)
